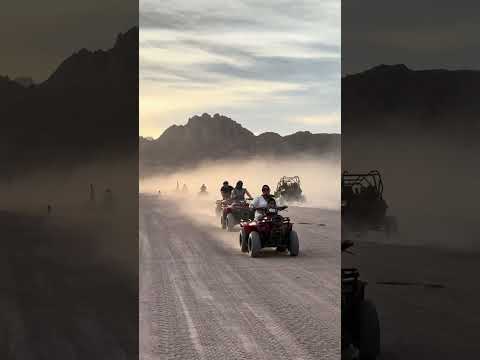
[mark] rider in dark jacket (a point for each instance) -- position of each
(226, 190)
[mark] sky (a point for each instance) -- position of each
(438, 34)
(271, 65)
(36, 36)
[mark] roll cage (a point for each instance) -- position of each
(362, 181)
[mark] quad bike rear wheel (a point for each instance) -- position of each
(293, 243)
(369, 331)
(254, 244)
(230, 222)
(243, 241)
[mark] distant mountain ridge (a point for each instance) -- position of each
(87, 107)
(392, 98)
(218, 137)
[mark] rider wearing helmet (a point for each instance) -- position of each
(226, 190)
(238, 193)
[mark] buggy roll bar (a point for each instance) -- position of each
(286, 180)
(372, 178)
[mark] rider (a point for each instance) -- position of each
(238, 193)
(272, 204)
(261, 202)
(203, 188)
(226, 190)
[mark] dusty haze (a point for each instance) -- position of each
(113, 226)
(320, 178)
(430, 184)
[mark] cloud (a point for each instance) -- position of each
(422, 35)
(258, 62)
(331, 120)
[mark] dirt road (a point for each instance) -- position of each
(201, 298)
(427, 299)
(62, 296)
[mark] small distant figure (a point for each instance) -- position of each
(92, 192)
(203, 190)
(108, 197)
(49, 209)
(159, 193)
(184, 188)
(178, 187)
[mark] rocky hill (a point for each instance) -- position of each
(394, 98)
(88, 106)
(218, 137)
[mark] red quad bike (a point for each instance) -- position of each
(272, 230)
(233, 212)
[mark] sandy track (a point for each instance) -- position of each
(427, 299)
(59, 300)
(201, 298)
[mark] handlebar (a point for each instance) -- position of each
(279, 208)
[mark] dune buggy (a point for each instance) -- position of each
(288, 189)
(360, 325)
(232, 212)
(272, 230)
(363, 206)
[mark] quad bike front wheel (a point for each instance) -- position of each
(254, 244)
(369, 331)
(243, 241)
(230, 222)
(293, 243)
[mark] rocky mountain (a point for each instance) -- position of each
(394, 98)
(87, 107)
(218, 137)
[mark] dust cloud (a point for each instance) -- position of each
(61, 200)
(320, 178)
(431, 184)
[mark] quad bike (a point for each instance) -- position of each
(363, 207)
(288, 189)
(360, 324)
(232, 212)
(272, 230)
(203, 190)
